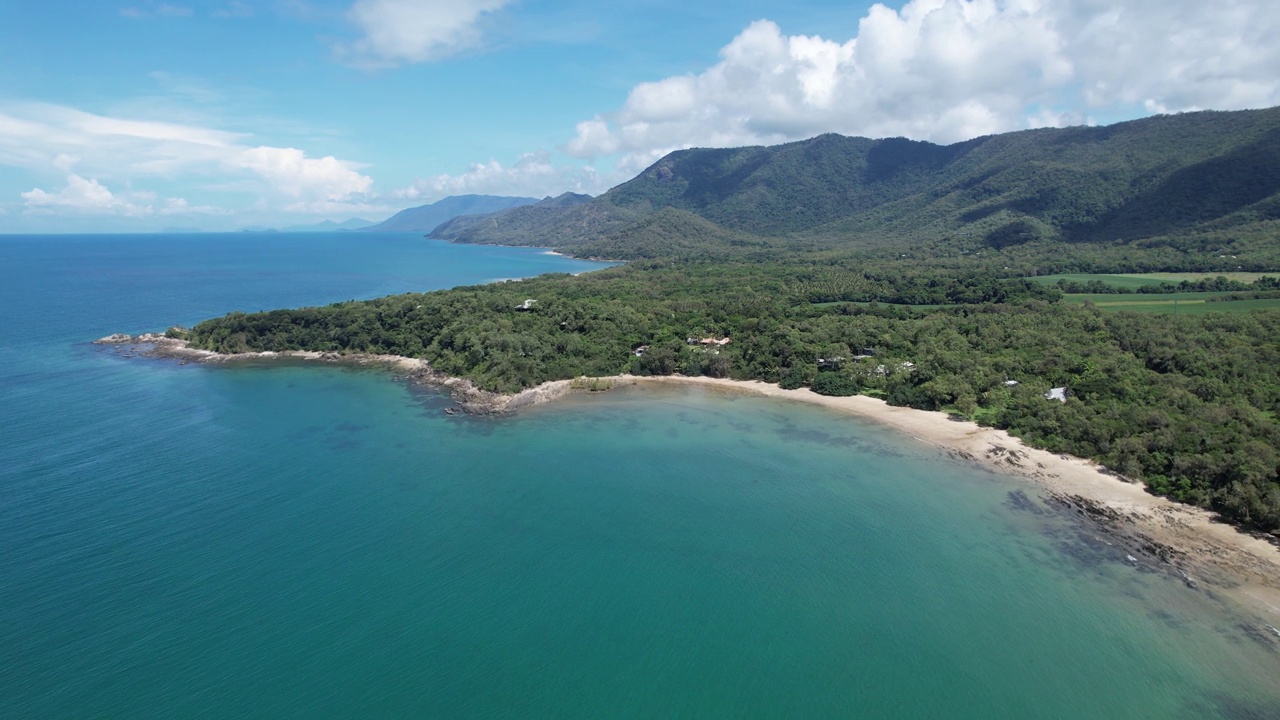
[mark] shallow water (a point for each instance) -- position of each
(316, 541)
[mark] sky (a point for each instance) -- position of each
(140, 115)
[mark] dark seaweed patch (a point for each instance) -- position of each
(1019, 500)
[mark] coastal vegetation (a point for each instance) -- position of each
(913, 272)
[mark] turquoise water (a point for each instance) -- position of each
(299, 541)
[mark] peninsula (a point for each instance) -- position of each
(976, 281)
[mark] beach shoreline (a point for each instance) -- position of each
(1188, 542)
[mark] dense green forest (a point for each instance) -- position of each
(1203, 183)
(1188, 403)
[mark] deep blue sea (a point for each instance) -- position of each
(310, 541)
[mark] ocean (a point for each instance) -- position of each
(314, 541)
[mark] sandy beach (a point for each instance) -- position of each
(1208, 555)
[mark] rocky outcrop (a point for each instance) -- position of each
(469, 397)
(478, 401)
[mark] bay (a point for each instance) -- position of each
(301, 541)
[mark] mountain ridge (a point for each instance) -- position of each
(424, 218)
(1190, 180)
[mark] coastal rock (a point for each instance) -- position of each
(474, 400)
(114, 339)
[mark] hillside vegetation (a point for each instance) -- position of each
(425, 217)
(1205, 182)
(906, 270)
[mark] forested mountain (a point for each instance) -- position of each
(425, 217)
(1196, 181)
(568, 219)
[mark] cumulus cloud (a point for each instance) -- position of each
(43, 137)
(293, 173)
(80, 194)
(531, 175)
(90, 197)
(395, 32)
(947, 70)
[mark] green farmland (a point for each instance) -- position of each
(1191, 303)
(1181, 303)
(1135, 281)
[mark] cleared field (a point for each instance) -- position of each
(1132, 282)
(1182, 303)
(1245, 277)
(1190, 303)
(1138, 280)
(838, 303)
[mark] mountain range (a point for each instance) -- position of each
(1194, 182)
(426, 217)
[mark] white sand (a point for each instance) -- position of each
(1243, 568)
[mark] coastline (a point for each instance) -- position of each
(1182, 540)
(1187, 540)
(470, 398)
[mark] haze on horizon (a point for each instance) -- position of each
(219, 114)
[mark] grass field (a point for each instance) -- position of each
(1182, 303)
(1187, 303)
(838, 303)
(1136, 281)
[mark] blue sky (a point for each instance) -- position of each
(218, 114)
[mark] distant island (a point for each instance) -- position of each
(1106, 292)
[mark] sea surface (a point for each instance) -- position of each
(310, 541)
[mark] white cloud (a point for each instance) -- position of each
(410, 31)
(44, 138)
(531, 175)
(947, 70)
(65, 162)
(90, 197)
(81, 195)
(179, 206)
(293, 173)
